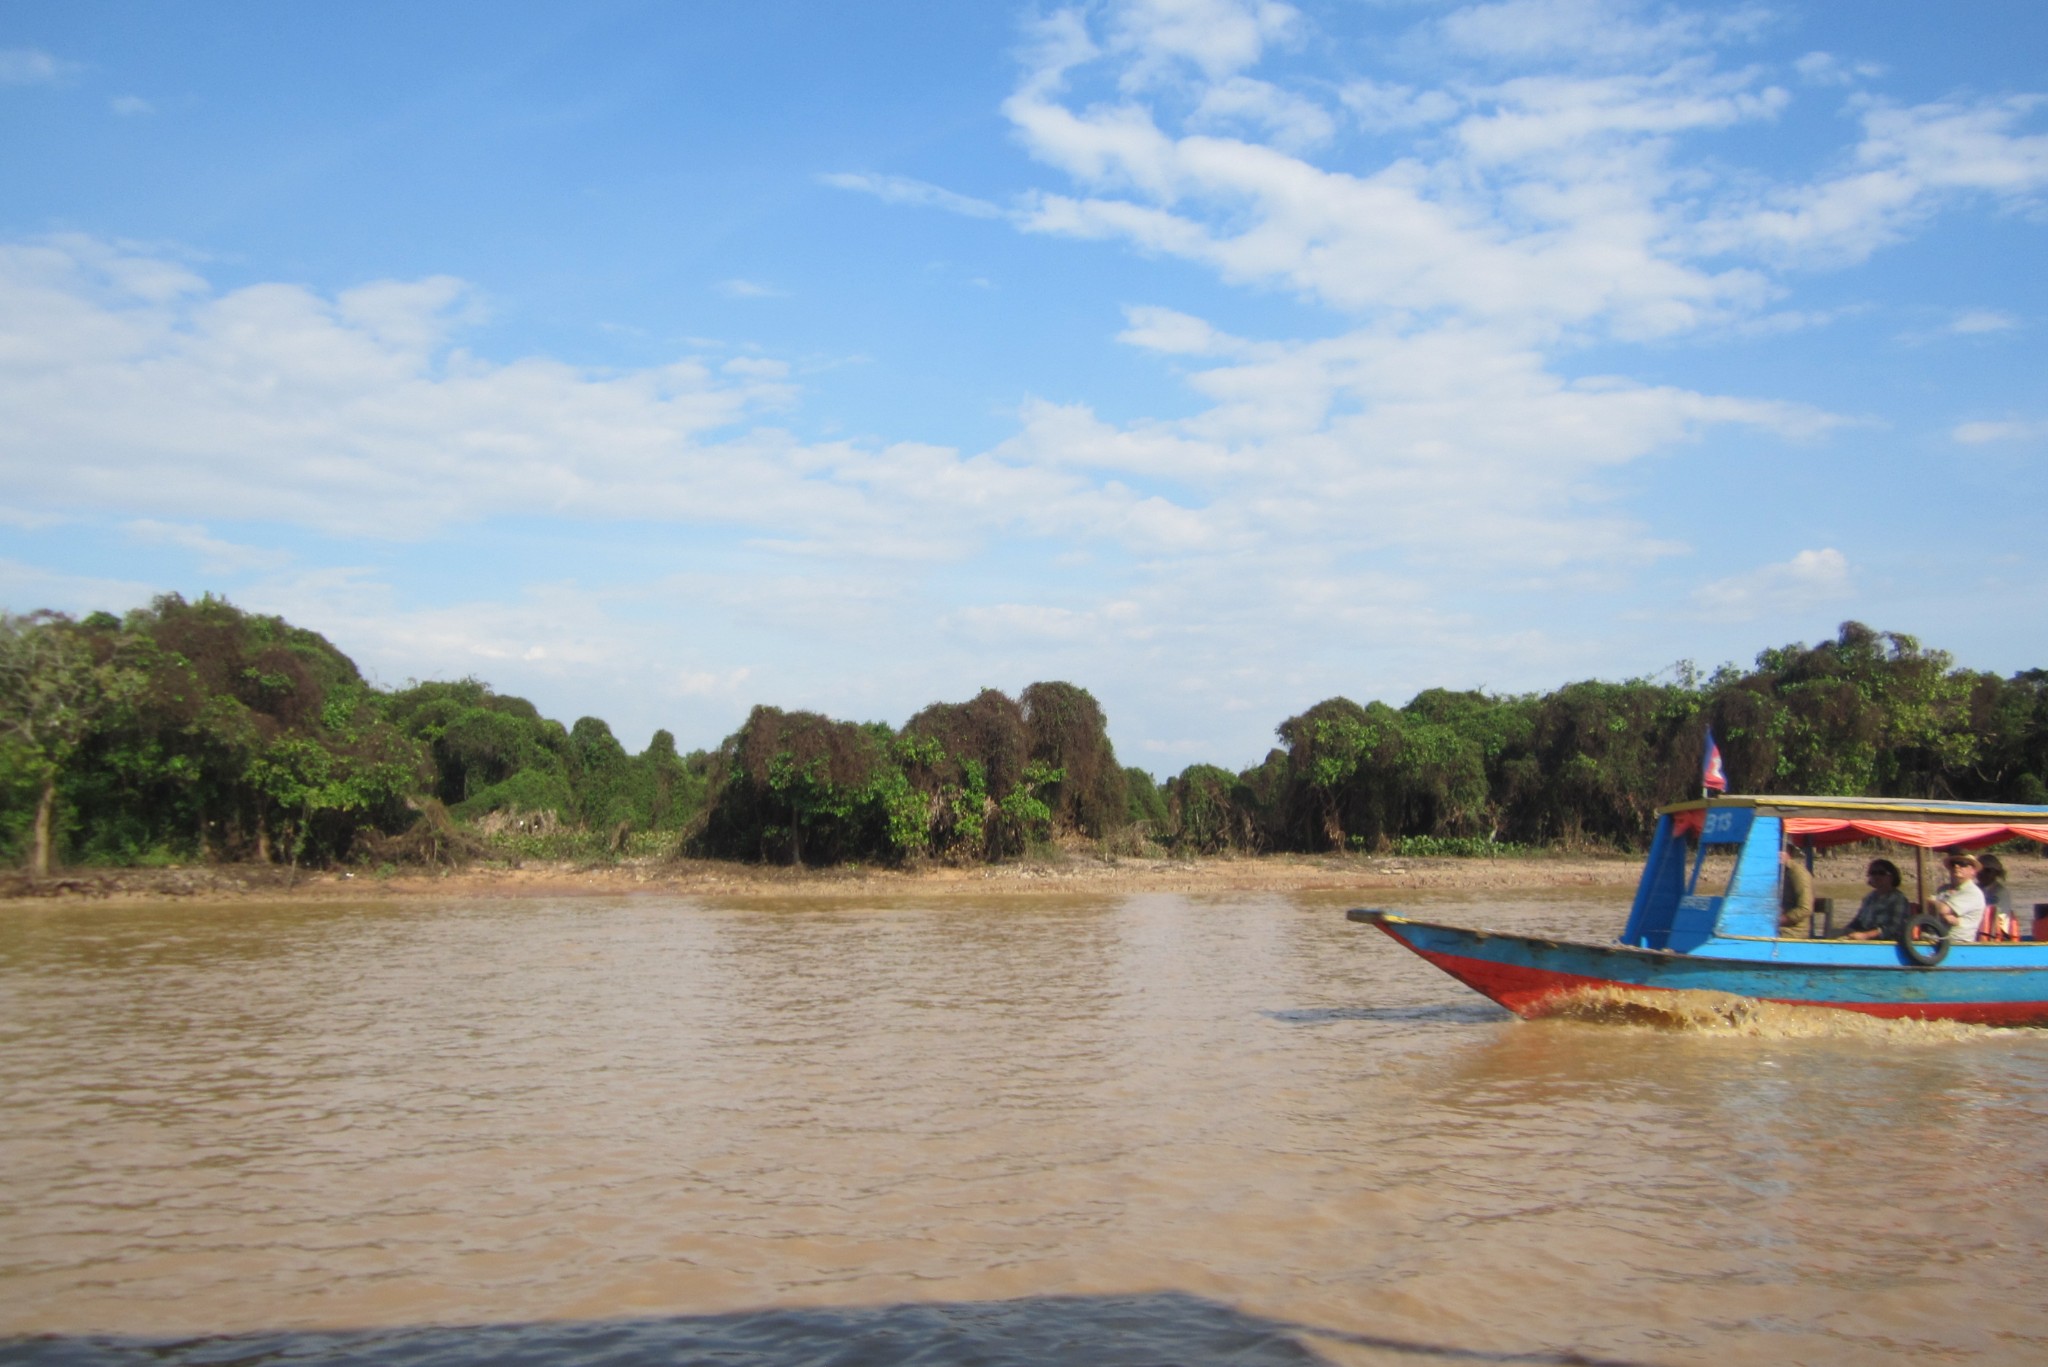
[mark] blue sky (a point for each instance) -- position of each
(656, 360)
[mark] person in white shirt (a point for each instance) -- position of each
(1960, 903)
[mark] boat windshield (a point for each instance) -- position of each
(1713, 864)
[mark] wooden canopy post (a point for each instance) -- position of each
(1920, 876)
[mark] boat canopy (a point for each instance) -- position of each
(1932, 825)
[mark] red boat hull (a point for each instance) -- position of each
(1535, 977)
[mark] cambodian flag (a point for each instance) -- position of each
(1713, 778)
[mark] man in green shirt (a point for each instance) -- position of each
(1795, 894)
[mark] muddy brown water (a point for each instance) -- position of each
(1108, 1129)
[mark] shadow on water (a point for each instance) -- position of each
(1476, 1011)
(1100, 1331)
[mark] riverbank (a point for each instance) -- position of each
(1062, 872)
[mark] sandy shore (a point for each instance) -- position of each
(1071, 873)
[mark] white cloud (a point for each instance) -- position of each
(1808, 580)
(33, 66)
(904, 190)
(27, 520)
(1218, 38)
(1542, 115)
(1288, 120)
(748, 289)
(127, 384)
(1975, 322)
(1175, 333)
(25, 588)
(1826, 69)
(1982, 433)
(1586, 32)
(142, 391)
(1545, 214)
(213, 555)
(1911, 161)
(700, 683)
(131, 106)
(1545, 177)
(1382, 107)
(1562, 206)
(411, 317)
(1010, 622)
(1343, 484)
(1966, 323)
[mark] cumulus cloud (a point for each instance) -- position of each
(1546, 213)
(1543, 178)
(748, 289)
(1910, 162)
(1983, 433)
(1008, 622)
(25, 587)
(128, 383)
(1808, 580)
(1216, 37)
(1537, 116)
(1827, 69)
(1592, 32)
(33, 66)
(702, 683)
(905, 190)
(1382, 107)
(1561, 205)
(1285, 119)
(1373, 462)
(1173, 332)
(1975, 322)
(213, 555)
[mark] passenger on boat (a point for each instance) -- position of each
(1999, 922)
(1795, 892)
(1960, 903)
(1884, 908)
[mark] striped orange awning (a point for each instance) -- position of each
(1928, 835)
(1822, 831)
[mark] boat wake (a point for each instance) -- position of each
(1723, 1013)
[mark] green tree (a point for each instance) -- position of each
(490, 751)
(1601, 758)
(1868, 713)
(54, 685)
(246, 737)
(1065, 730)
(2009, 718)
(1330, 752)
(801, 788)
(1144, 804)
(1205, 812)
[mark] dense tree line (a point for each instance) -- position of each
(978, 780)
(1868, 713)
(196, 731)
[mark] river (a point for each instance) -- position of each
(1136, 1129)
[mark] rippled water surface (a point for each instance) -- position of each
(1139, 1129)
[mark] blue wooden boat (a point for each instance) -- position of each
(1686, 934)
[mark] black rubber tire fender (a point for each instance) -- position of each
(1924, 953)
